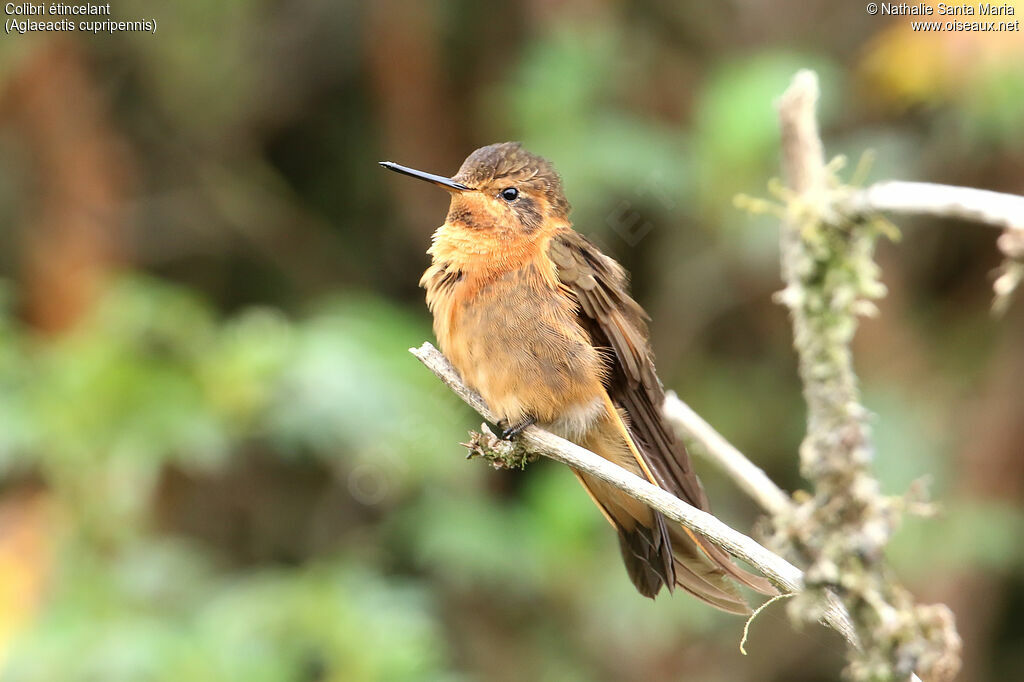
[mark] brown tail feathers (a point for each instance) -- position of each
(657, 552)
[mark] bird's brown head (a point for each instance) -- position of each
(501, 187)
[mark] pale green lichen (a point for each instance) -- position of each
(501, 454)
(841, 529)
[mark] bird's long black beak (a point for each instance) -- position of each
(438, 180)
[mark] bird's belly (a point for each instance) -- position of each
(521, 348)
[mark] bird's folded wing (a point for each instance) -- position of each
(614, 320)
(617, 322)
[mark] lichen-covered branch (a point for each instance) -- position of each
(842, 529)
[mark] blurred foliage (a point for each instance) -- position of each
(978, 74)
(226, 465)
(157, 617)
(152, 380)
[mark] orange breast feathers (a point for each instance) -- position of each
(508, 327)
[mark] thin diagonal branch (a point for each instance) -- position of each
(709, 442)
(536, 440)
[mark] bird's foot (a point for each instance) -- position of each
(510, 432)
(501, 454)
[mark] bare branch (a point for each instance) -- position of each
(803, 157)
(1005, 211)
(943, 201)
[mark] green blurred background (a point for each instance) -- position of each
(218, 460)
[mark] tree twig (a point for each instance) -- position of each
(997, 209)
(943, 201)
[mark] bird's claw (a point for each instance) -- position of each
(510, 432)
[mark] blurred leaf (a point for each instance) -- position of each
(977, 73)
(467, 541)
(737, 125)
(908, 441)
(353, 387)
(968, 535)
(26, 553)
(327, 621)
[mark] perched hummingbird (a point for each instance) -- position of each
(539, 322)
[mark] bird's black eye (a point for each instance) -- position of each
(509, 193)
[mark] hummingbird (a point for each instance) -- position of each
(541, 324)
